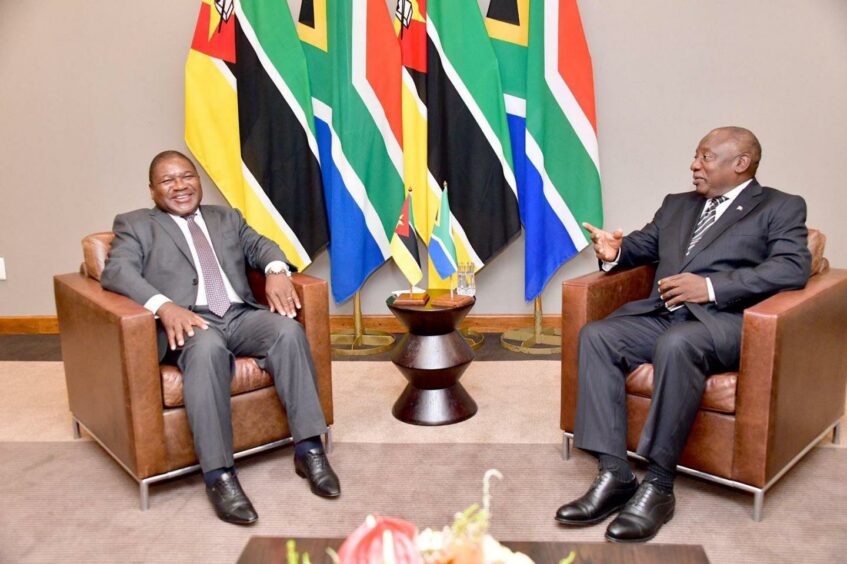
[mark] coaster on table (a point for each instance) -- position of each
(455, 301)
(408, 299)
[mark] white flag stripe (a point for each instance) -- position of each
(560, 208)
(253, 184)
(225, 72)
(515, 106)
(409, 84)
(353, 182)
(277, 79)
(364, 88)
(560, 90)
(473, 107)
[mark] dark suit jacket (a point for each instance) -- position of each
(757, 248)
(150, 256)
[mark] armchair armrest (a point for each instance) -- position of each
(588, 298)
(793, 374)
(112, 371)
(314, 315)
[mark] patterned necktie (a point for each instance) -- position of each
(706, 220)
(213, 280)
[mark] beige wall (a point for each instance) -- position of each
(90, 90)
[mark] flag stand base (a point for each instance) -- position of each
(473, 338)
(536, 340)
(360, 341)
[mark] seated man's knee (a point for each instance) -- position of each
(592, 332)
(206, 344)
(286, 329)
(674, 342)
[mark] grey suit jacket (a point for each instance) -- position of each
(150, 255)
(757, 248)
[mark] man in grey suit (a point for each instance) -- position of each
(726, 245)
(187, 264)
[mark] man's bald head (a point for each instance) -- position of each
(746, 142)
(725, 158)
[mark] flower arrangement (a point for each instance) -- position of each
(395, 541)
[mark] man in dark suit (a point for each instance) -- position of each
(719, 249)
(187, 264)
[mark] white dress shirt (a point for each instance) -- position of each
(155, 302)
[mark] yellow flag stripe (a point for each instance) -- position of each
(518, 34)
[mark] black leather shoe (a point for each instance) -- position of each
(643, 516)
(315, 467)
(605, 496)
(230, 502)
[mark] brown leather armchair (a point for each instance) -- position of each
(132, 405)
(755, 424)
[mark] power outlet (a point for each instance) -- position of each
(2, 268)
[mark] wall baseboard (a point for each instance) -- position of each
(481, 323)
(49, 325)
(29, 325)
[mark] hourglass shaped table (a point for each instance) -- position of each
(432, 356)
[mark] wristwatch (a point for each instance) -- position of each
(278, 268)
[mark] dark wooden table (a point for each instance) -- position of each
(260, 550)
(432, 356)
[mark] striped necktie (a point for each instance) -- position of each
(706, 220)
(212, 279)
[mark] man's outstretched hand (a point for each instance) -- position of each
(606, 245)
(179, 323)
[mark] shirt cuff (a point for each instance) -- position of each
(278, 266)
(154, 303)
(607, 266)
(711, 290)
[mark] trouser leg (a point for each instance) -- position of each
(207, 368)
(608, 350)
(684, 356)
(280, 347)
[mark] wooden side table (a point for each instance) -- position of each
(432, 356)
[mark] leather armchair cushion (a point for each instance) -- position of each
(248, 377)
(817, 243)
(95, 249)
(719, 395)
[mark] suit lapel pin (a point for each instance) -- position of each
(739, 208)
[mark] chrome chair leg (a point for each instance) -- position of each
(144, 492)
(328, 440)
(566, 446)
(758, 502)
(836, 434)
(75, 427)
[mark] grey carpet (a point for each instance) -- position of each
(69, 502)
(30, 347)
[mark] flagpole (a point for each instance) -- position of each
(360, 341)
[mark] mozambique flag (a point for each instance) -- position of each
(353, 59)
(553, 126)
(249, 121)
(404, 244)
(410, 26)
(468, 144)
(442, 248)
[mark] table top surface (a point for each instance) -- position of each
(433, 294)
(273, 549)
